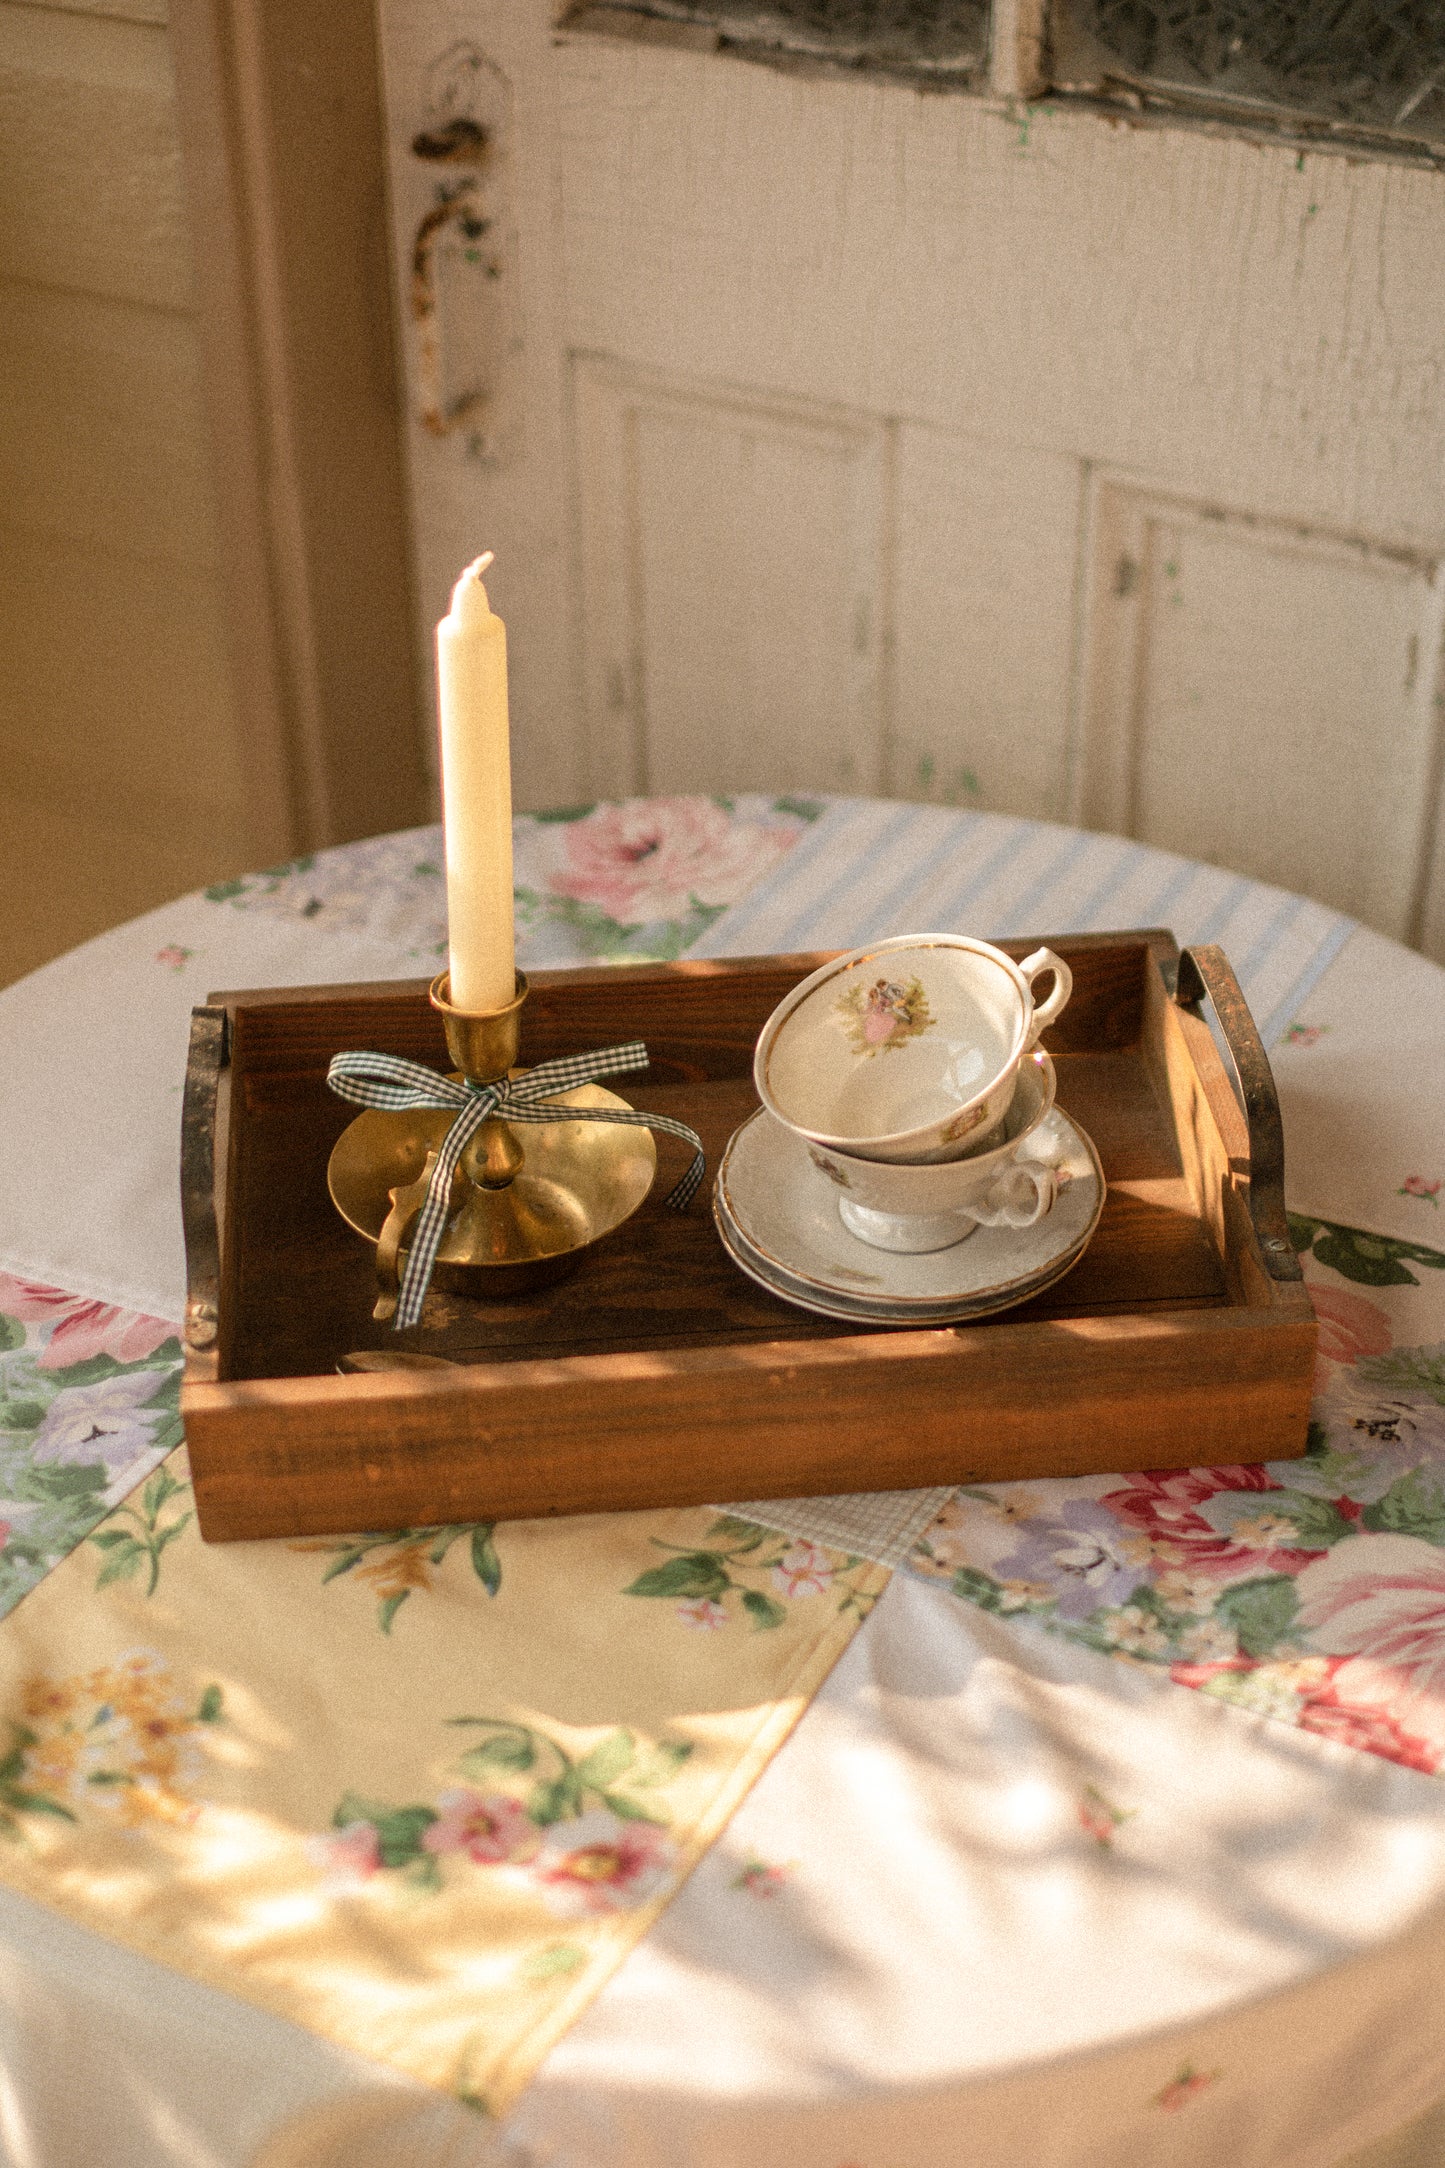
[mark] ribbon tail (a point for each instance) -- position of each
(431, 1221)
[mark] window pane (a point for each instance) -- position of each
(1362, 66)
(943, 39)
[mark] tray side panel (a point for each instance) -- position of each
(320, 1456)
(702, 1013)
(1214, 1143)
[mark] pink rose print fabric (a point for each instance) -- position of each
(658, 858)
(647, 876)
(75, 1330)
(635, 878)
(1311, 1591)
(89, 1405)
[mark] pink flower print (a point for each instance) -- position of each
(803, 1570)
(1415, 1185)
(174, 957)
(702, 1614)
(760, 1880)
(1099, 1817)
(1373, 1731)
(1379, 1602)
(1350, 1326)
(347, 1857)
(1305, 1034)
(1182, 2089)
(655, 858)
(488, 1827)
(599, 1863)
(1168, 1509)
(80, 1329)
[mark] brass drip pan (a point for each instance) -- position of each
(579, 1181)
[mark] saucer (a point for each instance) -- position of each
(777, 1217)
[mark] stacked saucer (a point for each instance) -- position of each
(908, 1165)
(777, 1215)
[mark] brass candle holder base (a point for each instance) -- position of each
(521, 1213)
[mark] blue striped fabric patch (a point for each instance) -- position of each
(870, 868)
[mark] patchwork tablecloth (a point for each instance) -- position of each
(1114, 1834)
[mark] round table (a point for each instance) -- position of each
(1116, 1833)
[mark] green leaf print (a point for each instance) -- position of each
(1370, 1260)
(1261, 1612)
(497, 1823)
(97, 1368)
(399, 1830)
(694, 1573)
(741, 1536)
(64, 1501)
(608, 1760)
(660, 1764)
(763, 1610)
(1316, 1522)
(508, 1750)
(979, 1588)
(1413, 1506)
(17, 1799)
(557, 1958)
(703, 1577)
(57, 1481)
(556, 1799)
(600, 1774)
(485, 1563)
(1419, 1370)
(137, 1536)
(400, 1562)
(12, 1334)
(626, 1810)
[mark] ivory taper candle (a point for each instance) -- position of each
(476, 795)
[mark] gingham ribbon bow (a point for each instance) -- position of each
(389, 1081)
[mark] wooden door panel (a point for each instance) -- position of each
(984, 563)
(1264, 696)
(733, 565)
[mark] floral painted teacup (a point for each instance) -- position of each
(906, 1052)
(931, 1207)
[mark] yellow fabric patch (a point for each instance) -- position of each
(421, 1793)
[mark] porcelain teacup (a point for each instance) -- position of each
(906, 1052)
(933, 1206)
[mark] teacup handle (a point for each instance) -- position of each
(1020, 1197)
(1034, 967)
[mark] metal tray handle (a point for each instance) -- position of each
(209, 1052)
(1205, 974)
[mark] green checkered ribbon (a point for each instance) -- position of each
(390, 1082)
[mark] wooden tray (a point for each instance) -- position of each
(657, 1374)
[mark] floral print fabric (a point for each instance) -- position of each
(1311, 1591)
(431, 1832)
(89, 1401)
(645, 877)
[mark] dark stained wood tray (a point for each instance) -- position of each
(657, 1374)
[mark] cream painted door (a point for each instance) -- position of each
(833, 436)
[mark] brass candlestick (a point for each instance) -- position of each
(519, 1215)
